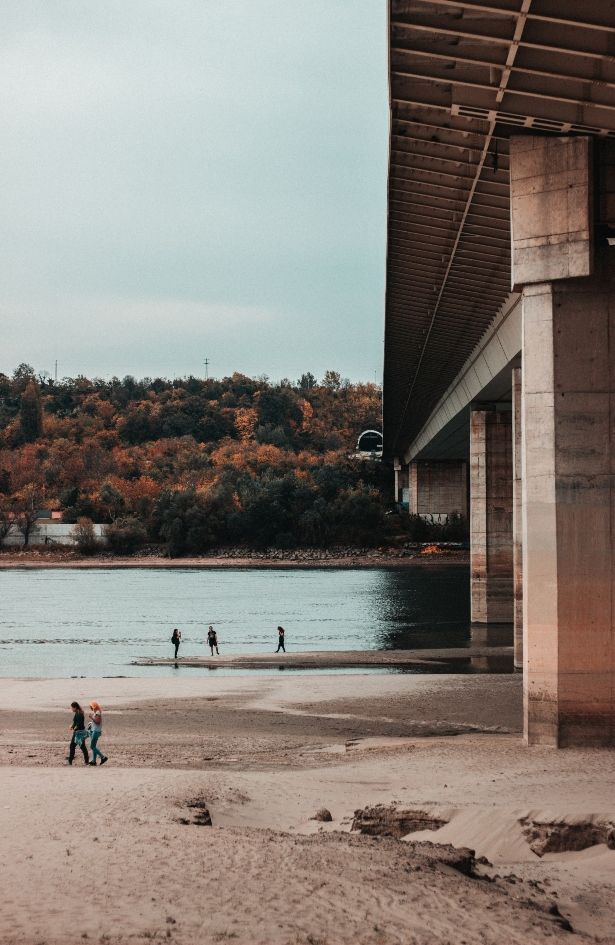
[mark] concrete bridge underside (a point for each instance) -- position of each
(499, 381)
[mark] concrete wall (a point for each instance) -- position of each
(438, 489)
(59, 533)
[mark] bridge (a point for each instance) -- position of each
(499, 370)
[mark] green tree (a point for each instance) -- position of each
(193, 523)
(307, 381)
(359, 515)
(84, 536)
(30, 413)
(111, 500)
(332, 380)
(125, 535)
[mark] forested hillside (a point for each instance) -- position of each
(193, 463)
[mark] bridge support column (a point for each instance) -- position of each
(413, 488)
(491, 546)
(568, 392)
(517, 520)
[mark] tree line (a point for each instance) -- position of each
(191, 463)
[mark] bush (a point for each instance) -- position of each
(456, 528)
(84, 536)
(191, 523)
(419, 529)
(125, 536)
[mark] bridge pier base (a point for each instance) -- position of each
(491, 550)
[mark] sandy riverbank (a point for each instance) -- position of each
(70, 560)
(339, 659)
(115, 855)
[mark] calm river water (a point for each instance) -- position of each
(94, 622)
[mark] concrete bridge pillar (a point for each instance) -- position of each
(413, 488)
(568, 394)
(491, 546)
(517, 520)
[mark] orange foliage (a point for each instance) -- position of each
(246, 419)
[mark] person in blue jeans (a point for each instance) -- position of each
(95, 727)
(79, 734)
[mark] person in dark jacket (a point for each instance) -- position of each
(79, 734)
(281, 646)
(176, 639)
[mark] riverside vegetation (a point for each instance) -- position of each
(195, 464)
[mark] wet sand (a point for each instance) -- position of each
(334, 659)
(115, 854)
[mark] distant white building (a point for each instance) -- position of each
(48, 532)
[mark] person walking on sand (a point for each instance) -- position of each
(281, 646)
(176, 639)
(212, 640)
(95, 728)
(79, 734)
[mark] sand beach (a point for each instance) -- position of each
(121, 854)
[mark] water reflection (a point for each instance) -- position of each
(423, 607)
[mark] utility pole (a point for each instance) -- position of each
(55, 374)
(206, 363)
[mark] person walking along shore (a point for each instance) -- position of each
(176, 639)
(79, 734)
(281, 646)
(95, 727)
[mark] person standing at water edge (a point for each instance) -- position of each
(281, 646)
(212, 640)
(176, 639)
(79, 734)
(95, 727)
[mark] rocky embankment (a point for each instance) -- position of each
(408, 550)
(151, 556)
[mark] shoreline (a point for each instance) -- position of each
(31, 561)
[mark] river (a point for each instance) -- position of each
(95, 622)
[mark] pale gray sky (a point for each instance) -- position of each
(192, 178)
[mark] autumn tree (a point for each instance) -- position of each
(6, 516)
(195, 463)
(26, 505)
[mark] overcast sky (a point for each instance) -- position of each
(185, 179)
